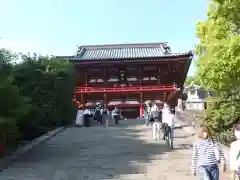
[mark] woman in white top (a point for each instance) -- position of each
(165, 109)
(156, 126)
(116, 115)
(235, 154)
(79, 117)
(168, 121)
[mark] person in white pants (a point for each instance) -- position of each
(156, 127)
(156, 130)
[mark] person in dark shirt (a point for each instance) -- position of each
(98, 115)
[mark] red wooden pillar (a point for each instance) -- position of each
(105, 101)
(82, 100)
(105, 77)
(141, 111)
(141, 107)
(140, 75)
(164, 97)
(158, 77)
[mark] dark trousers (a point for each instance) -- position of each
(99, 119)
(116, 118)
(86, 119)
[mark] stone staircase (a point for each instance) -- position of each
(190, 117)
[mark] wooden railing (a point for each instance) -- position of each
(125, 89)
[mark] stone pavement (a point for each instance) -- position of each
(126, 152)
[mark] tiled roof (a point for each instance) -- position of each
(124, 51)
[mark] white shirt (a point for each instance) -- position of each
(154, 108)
(234, 150)
(87, 111)
(165, 110)
(148, 109)
(79, 118)
(114, 112)
(169, 118)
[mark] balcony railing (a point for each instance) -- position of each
(125, 89)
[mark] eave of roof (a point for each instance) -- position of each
(126, 51)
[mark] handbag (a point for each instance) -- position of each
(216, 151)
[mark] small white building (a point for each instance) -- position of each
(196, 97)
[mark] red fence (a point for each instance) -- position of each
(125, 89)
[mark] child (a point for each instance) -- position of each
(204, 156)
(235, 154)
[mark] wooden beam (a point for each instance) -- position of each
(126, 89)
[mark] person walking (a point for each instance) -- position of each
(156, 127)
(168, 120)
(116, 115)
(86, 117)
(165, 108)
(148, 118)
(153, 113)
(98, 115)
(106, 117)
(80, 116)
(206, 155)
(235, 154)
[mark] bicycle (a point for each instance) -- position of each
(167, 136)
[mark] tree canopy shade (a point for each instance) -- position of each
(218, 66)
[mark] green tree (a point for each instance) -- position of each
(7, 57)
(50, 84)
(37, 95)
(15, 106)
(218, 50)
(191, 80)
(218, 66)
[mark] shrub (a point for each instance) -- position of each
(221, 117)
(37, 97)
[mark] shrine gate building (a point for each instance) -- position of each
(128, 75)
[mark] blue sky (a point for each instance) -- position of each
(58, 26)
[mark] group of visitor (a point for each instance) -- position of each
(208, 156)
(100, 114)
(161, 119)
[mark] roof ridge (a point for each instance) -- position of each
(121, 46)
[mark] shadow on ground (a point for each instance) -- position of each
(90, 153)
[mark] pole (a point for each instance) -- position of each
(141, 107)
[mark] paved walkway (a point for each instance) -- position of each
(126, 152)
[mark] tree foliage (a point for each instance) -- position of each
(221, 118)
(219, 46)
(14, 105)
(191, 80)
(37, 96)
(50, 84)
(218, 66)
